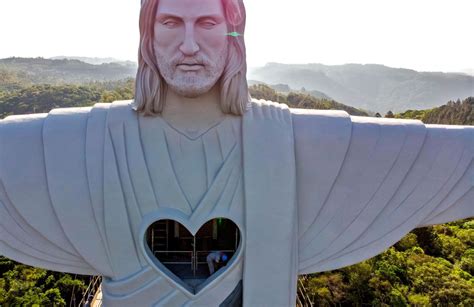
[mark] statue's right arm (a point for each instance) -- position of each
(42, 161)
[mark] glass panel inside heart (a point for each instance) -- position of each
(194, 258)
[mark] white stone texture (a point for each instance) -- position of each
(310, 191)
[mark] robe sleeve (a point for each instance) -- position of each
(363, 183)
(50, 208)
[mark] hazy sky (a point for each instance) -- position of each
(429, 35)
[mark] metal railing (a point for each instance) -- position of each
(302, 298)
(90, 292)
(157, 253)
(194, 257)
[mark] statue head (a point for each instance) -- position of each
(190, 46)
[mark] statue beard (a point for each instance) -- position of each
(195, 83)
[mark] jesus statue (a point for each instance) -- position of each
(309, 191)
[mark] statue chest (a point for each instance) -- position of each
(199, 210)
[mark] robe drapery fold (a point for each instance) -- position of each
(270, 268)
(322, 190)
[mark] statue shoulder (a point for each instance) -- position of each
(301, 116)
(335, 122)
(65, 116)
(268, 111)
(262, 104)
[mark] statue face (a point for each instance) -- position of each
(190, 44)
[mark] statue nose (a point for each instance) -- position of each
(189, 45)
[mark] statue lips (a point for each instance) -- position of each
(190, 67)
(191, 64)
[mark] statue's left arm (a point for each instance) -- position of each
(363, 183)
(50, 183)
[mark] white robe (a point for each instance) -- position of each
(322, 190)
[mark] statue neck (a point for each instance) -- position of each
(193, 114)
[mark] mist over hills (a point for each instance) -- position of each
(94, 60)
(284, 88)
(469, 71)
(372, 87)
(299, 99)
(375, 88)
(60, 71)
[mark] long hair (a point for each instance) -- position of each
(150, 87)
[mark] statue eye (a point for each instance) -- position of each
(208, 24)
(170, 23)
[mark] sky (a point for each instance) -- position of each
(425, 35)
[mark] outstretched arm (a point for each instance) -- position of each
(363, 183)
(42, 160)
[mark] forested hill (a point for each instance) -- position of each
(453, 113)
(14, 71)
(23, 98)
(300, 100)
(41, 98)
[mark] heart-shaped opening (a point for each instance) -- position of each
(194, 258)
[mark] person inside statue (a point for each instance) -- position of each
(216, 258)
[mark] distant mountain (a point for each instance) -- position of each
(284, 88)
(301, 100)
(317, 94)
(95, 60)
(371, 87)
(40, 71)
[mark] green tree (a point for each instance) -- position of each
(22, 285)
